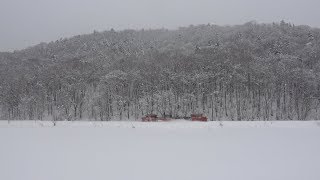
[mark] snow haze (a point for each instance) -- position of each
(26, 23)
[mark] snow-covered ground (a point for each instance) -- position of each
(179, 150)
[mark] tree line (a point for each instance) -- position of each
(245, 72)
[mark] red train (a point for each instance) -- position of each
(198, 117)
(154, 117)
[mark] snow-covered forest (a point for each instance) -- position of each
(244, 72)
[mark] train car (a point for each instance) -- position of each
(199, 117)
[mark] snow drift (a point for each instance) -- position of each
(176, 150)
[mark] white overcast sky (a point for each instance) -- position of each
(29, 22)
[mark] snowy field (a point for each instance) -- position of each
(180, 150)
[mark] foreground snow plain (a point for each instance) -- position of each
(179, 150)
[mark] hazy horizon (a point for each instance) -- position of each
(26, 24)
